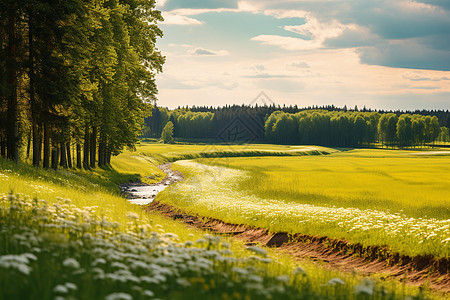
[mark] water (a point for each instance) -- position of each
(143, 194)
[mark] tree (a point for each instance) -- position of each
(167, 133)
(404, 132)
(391, 129)
(76, 70)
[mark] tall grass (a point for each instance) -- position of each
(225, 194)
(404, 182)
(86, 242)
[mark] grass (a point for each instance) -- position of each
(84, 241)
(158, 153)
(373, 197)
(141, 167)
(414, 185)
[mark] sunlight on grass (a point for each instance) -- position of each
(88, 242)
(231, 195)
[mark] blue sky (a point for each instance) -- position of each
(384, 54)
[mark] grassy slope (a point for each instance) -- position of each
(99, 189)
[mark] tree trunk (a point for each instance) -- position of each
(29, 142)
(69, 155)
(101, 161)
(78, 155)
(86, 148)
(11, 69)
(93, 146)
(34, 113)
(46, 162)
(54, 158)
(63, 162)
(37, 145)
(2, 146)
(102, 149)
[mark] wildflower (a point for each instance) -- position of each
(183, 282)
(132, 216)
(18, 262)
(71, 286)
(60, 289)
(366, 287)
(118, 296)
(148, 293)
(99, 261)
(299, 271)
(283, 278)
(335, 281)
(171, 236)
(257, 250)
(71, 263)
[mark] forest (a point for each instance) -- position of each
(79, 77)
(326, 126)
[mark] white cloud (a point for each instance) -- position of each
(174, 19)
(281, 14)
(331, 61)
(314, 29)
(314, 32)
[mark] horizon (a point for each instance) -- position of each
(387, 56)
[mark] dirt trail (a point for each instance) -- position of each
(337, 254)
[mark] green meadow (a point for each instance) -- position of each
(408, 182)
(69, 234)
(374, 197)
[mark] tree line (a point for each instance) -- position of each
(329, 126)
(352, 129)
(79, 76)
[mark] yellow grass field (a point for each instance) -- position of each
(374, 197)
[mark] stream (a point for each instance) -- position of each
(143, 194)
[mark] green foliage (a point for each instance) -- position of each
(89, 75)
(444, 135)
(193, 125)
(350, 129)
(167, 133)
(344, 129)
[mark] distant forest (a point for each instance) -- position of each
(327, 125)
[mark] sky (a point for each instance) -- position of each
(382, 54)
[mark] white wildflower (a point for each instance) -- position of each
(299, 271)
(119, 296)
(71, 263)
(283, 278)
(148, 293)
(257, 250)
(60, 289)
(335, 281)
(132, 216)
